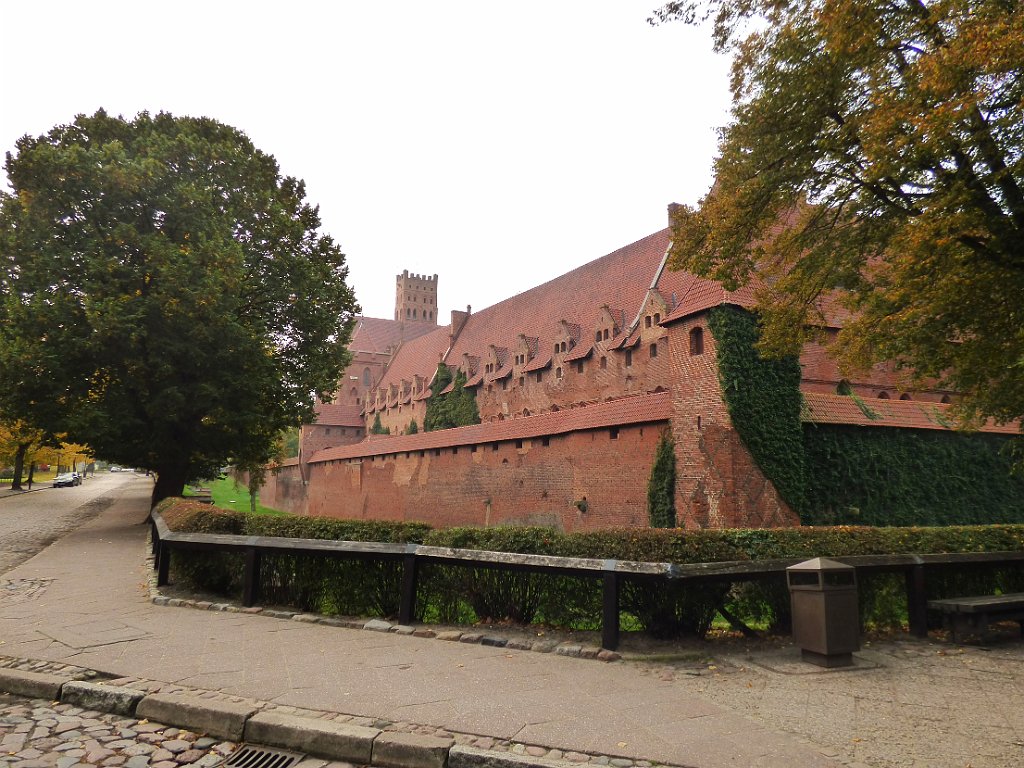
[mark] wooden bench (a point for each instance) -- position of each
(973, 614)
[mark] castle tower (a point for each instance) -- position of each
(416, 298)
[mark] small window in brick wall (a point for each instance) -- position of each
(904, 396)
(540, 376)
(697, 341)
(545, 441)
(604, 362)
(647, 321)
(579, 366)
(606, 334)
(883, 395)
(597, 336)
(613, 433)
(558, 373)
(657, 318)
(653, 350)
(629, 358)
(522, 380)
(519, 444)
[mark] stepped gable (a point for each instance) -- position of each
(636, 409)
(332, 415)
(619, 279)
(379, 335)
(841, 409)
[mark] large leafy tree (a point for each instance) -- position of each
(875, 152)
(168, 298)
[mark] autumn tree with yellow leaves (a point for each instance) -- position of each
(888, 137)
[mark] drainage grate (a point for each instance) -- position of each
(247, 756)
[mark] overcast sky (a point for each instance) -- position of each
(497, 145)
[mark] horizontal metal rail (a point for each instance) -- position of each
(610, 572)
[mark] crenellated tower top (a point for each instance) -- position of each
(416, 298)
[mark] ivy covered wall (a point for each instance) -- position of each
(764, 401)
(888, 476)
(838, 474)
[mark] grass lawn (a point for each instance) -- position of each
(229, 495)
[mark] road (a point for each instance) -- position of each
(29, 522)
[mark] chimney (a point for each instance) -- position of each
(672, 209)
(458, 321)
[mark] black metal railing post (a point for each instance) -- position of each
(251, 585)
(410, 577)
(610, 607)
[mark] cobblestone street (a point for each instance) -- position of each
(41, 734)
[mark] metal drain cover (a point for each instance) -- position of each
(248, 756)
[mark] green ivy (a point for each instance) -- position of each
(377, 429)
(453, 409)
(661, 488)
(764, 401)
(874, 476)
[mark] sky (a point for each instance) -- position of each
(497, 145)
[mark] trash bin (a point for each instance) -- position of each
(826, 624)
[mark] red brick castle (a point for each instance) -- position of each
(575, 381)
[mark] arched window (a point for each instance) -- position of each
(558, 373)
(904, 396)
(414, 314)
(697, 341)
(597, 336)
(647, 321)
(606, 334)
(354, 392)
(883, 395)
(366, 377)
(657, 318)
(565, 346)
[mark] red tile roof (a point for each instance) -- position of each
(638, 409)
(842, 409)
(331, 415)
(377, 334)
(621, 278)
(417, 356)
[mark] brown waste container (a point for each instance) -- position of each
(826, 625)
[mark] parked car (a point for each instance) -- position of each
(66, 480)
(115, 468)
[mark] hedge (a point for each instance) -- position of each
(454, 594)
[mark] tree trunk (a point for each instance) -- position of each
(19, 465)
(31, 471)
(170, 481)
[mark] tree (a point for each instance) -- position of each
(888, 140)
(167, 296)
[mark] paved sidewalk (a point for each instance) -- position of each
(85, 601)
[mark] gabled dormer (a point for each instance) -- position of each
(655, 309)
(607, 326)
(525, 350)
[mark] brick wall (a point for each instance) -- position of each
(526, 483)
(719, 484)
(284, 490)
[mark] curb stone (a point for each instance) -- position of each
(223, 719)
(340, 741)
(34, 685)
(410, 750)
(101, 698)
(471, 757)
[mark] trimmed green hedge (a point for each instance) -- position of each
(453, 594)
